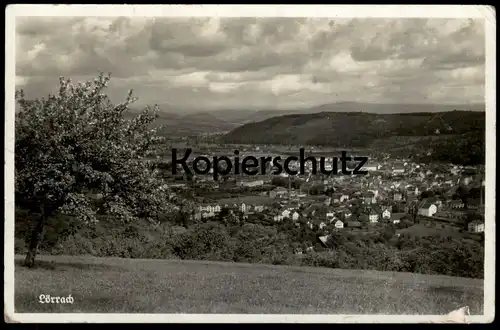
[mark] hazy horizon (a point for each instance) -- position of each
(444, 107)
(258, 63)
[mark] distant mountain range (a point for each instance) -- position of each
(190, 124)
(184, 122)
(244, 116)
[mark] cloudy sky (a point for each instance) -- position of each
(248, 63)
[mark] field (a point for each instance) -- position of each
(420, 230)
(101, 285)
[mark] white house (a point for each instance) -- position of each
(339, 224)
(476, 226)
(209, 208)
(427, 209)
(386, 214)
(373, 217)
(295, 216)
(330, 216)
(278, 218)
(398, 196)
(285, 214)
(243, 207)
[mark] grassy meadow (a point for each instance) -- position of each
(115, 285)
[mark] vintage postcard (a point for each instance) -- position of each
(222, 163)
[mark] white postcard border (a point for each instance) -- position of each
(334, 11)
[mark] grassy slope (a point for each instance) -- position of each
(168, 286)
(420, 230)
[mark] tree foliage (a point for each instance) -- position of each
(77, 144)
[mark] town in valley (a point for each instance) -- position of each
(396, 192)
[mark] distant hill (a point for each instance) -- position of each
(191, 124)
(354, 129)
(361, 129)
(244, 116)
(240, 117)
(394, 108)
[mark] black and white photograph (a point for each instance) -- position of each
(264, 163)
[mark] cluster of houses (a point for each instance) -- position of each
(382, 196)
(324, 213)
(320, 213)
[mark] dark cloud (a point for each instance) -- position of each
(281, 61)
(182, 37)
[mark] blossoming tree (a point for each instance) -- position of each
(77, 144)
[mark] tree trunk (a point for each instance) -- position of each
(35, 239)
